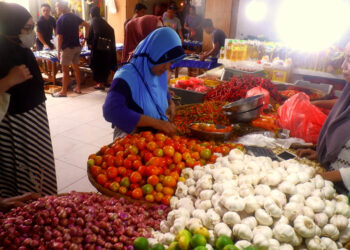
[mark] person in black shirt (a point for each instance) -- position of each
(46, 24)
(217, 36)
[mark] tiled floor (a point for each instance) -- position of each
(77, 130)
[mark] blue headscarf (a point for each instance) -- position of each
(148, 90)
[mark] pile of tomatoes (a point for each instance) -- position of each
(147, 166)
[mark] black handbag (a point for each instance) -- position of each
(103, 44)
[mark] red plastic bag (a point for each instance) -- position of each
(303, 119)
(260, 91)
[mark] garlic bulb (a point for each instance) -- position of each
(236, 167)
(307, 211)
(271, 208)
(246, 190)
(314, 243)
(279, 197)
(199, 213)
(211, 219)
(297, 240)
(273, 244)
(263, 217)
(342, 208)
(328, 244)
(283, 233)
(251, 204)
(198, 173)
(303, 176)
(173, 202)
(329, 209)
(321, 219)
(222, 229)
(206, 194)
(282, 220)
(250, 221)
(231, 218)
(305, 189)
(190, 182)
(220, 210)
(261, 241)
(328, 192)
(187, 173)
(298, 198)
(318, 231)
(319, 182)
(330, 231)
(304, 226)
(260, 200)
(164, 228)
(287, 188)
(236, 154)
(272, 178)
(168, 238)
(263, 230)
(292, 178)
(193, 223)
(340, 221)
(242, 232)
(286, 247)
(234, 203)
(344, 236)
(192, 190)
(292, 210)
(315, 203)
(262, 189)
(242, 244)
(205, 205)
(341, 198)
(252, 179)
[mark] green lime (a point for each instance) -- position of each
(140, 243)
(174, 246)
(222, 241)
(205, 153)
(184, 242)
(125, 182)
(158, 246)
(198, 240)
(230, 247)
(201, 248)
(147, 189)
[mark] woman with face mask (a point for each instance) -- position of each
(26, 157)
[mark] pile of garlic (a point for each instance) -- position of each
(254, 200)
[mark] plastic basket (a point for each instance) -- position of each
(228, 73)
(188, 96)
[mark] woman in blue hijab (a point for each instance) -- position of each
(138, 97)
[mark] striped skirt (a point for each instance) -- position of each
(26, 157)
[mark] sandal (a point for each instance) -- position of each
(58, 94)
(77, 92)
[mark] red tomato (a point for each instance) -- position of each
(136, 164)
(225, 150)
(120, 154)
(135, 177)
(162, 162)
(169, 160)
(158, 152)
(114, 186)
(154, 161)
(112, 172)
(177, 157)
(117, 179)
(134, 185)
(122, 171)
(186, 155)
(98, 160)
(133, 149)
(119, 160)
(103, 149)
(190, 162)
(151, 146)
(159, 196)
(149, 198)
(95, 170)
(127, 163)
(213, 158)
(166, 199)
(172, 166)
(141, 144)
(132, 157)
(142, 170)
(169, 142)
(176, 137)
(118, 148)
(149, 138)
(175, 175)
(106, 185)
(180, 165)
(104, 165)
(161, 137)
(169, 181)
(195, 155)
(111, 160)
(137, 193)
(109, 151)
(128, 172)
(148, 156)
(153, 180)
(152, 170)
(169, 151)
(101, 179)
(122, 190)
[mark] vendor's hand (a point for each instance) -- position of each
(170, 113)
(19, 74)
(202, 57)
(17, 201)
(307, 153)
(46, 46)
(166, 127)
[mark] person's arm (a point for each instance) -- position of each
(171, 111)
(325, 104)
(16, 75)
(87, 28)
(42, 40)
(212, 52)
(307, 153)
(90, 38)
(333, 176)
(59, 46)
(18, 201)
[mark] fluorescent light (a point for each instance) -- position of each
(312, 25)
(256, 10)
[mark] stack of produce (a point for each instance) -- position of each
(193, 83)
(260, 202)
(238, 86)
(147, 166)
(78, 220)
(207, 112)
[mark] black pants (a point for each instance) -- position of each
(100, 66)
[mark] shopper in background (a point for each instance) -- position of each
(68, 48)
(193, 25)
(26, 157)
(217, 36)
(139, 11)
(137, 30)
(170, 20)
(138, 97)
(333, 145)
(45, 27)
(101, 41)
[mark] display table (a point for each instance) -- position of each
(195, 63)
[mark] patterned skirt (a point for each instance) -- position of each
(26, 157)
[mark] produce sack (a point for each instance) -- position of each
(303, 119)
(260, 91)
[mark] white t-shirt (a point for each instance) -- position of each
(342, 163)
